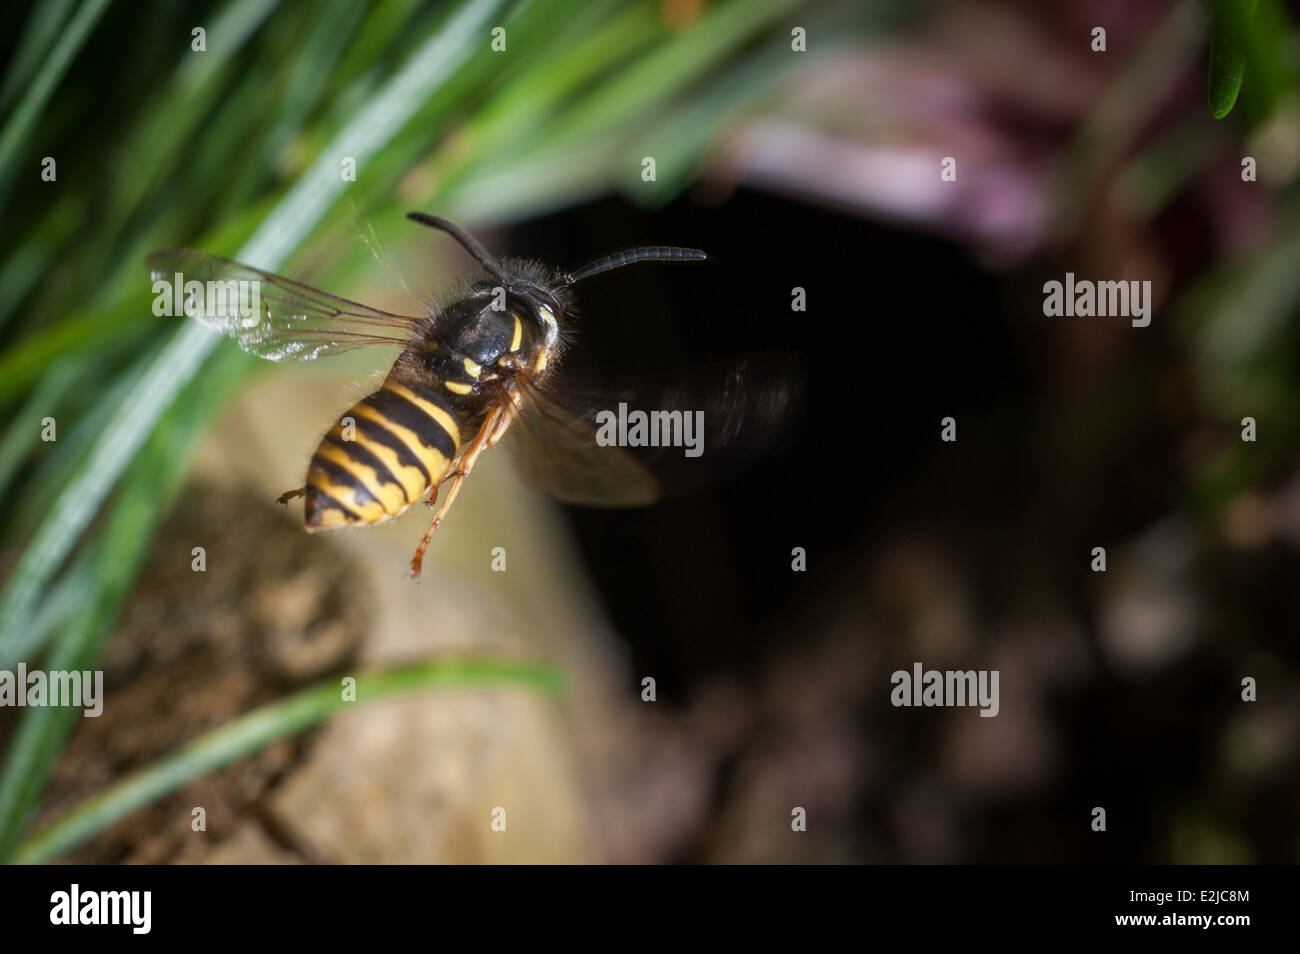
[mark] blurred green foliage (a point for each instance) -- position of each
(237, 150)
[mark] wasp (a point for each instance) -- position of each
(466, 374)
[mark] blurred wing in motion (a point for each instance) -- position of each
(274, 317)
(559, 453)
(738, 411)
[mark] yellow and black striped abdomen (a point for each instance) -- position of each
(381, 457)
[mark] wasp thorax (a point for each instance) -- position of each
(444, 401)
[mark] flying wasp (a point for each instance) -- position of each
(465, 375)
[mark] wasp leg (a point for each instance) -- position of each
(462, 470)
(509, 407)
(288, 495)
(499, 431)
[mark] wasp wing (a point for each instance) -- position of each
(696, 427)
(712, 422)
(275, 317)
(560, 453)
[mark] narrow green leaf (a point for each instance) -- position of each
(39, 37)
(259, 728)
(285, 228)
(1228, 53)
(33, 101)
(154, 479)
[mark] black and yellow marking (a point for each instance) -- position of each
(397, 456)
(368, 469)
(401, 445)
(336, 496)
(423, 413)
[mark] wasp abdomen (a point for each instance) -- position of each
(382, 456)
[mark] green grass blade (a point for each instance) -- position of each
(29, 107)
(670, 68)
(114, 560)
(283, 230)
(25, 429)
(259, 728)
(1227, 56)
(39, 36)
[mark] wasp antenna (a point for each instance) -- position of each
(467, 241)
(635, 256)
